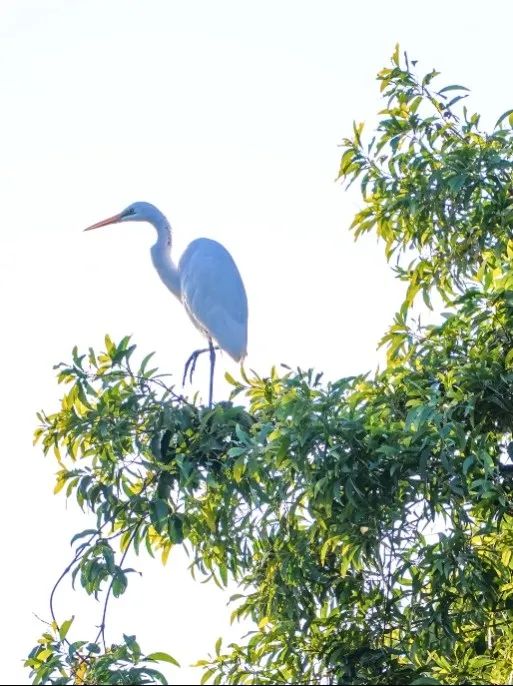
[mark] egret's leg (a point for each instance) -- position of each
(191, 362)
(190, 365)
(212, 365)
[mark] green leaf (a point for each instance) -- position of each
(144, 364)
(229, 378)
(457, 182)
(239, 467)
(218, 646)
(81, 534)
(263, 622)
(159, 511)
(236, 451)
(109, 345)
(132, 644)
(452, 88)
(44, 654)
(175, 529)
(395, 56)
(207, 674)
(503, 116)
(64, 628)
(92, 648)
(467, 463)
(163, 657)
(508, 360)
(119, 583)
(242, 435)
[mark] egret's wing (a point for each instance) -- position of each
(214, 295)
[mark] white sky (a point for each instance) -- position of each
(227, 116)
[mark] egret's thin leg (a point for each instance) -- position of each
(212, 365)
(191, 362)
(190, 365)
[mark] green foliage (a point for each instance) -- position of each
(437, 188)
(56, 661)
(368, 521)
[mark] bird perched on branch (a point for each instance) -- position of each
(206, 281)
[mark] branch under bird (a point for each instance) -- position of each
(206, 281)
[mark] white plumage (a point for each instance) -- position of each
(206, 281)
(213, 295)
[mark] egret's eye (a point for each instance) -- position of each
(131, 211)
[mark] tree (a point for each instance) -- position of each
(368, 521)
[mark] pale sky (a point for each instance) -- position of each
(227, 115)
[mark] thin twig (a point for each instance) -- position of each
(84, 547)
(101, 632)
(77, 557)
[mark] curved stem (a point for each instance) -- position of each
(84, 547)
(77, 557)
(101, 632)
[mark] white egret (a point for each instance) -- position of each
(206, 281)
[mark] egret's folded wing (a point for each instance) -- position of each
(214, 295)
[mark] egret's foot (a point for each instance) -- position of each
(190, 366)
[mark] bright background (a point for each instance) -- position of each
(227, 115)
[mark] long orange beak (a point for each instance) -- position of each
(104, 222)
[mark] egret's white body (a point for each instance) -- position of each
(213, 295)
(206, 281)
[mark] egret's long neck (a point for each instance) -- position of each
(161, 255)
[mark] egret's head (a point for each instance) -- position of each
(136, 212)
